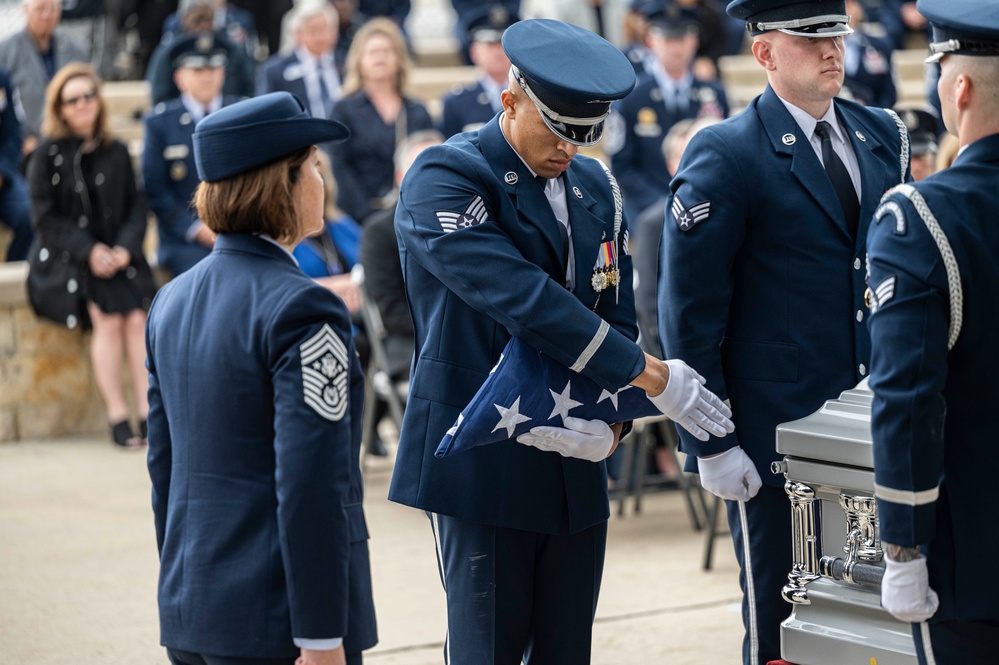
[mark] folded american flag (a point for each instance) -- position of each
(527, 388)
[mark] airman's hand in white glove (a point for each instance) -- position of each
(586, 439)
(695, 408)
(906, 592)
(730, 475)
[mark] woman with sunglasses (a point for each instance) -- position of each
(87, 265)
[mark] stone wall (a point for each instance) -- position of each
(47, 387)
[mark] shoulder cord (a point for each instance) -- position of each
(946, 253)
(903, 134)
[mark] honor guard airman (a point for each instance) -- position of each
(933, 249)
(468, 107)
(168, 156)
(256, 396)
(668, 94)
(508, 231)
(761, 273)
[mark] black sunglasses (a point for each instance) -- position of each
(85, 97)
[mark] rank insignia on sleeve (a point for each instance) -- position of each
(325, 373)
(474, 214)
(882, 293)
(687, 218)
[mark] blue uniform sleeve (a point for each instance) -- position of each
(910, 314)
(159, 458)
(705, 224)
(482, 264)
(311, 363)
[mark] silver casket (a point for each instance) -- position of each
(834, 583)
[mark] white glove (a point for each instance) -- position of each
(586, 439)
(695, 408)
(730, 475)
(906, 592)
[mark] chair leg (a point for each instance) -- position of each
(624, 477)
(711, 532)
(643, 444)
(368, 423)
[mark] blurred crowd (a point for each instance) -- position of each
(78, 211)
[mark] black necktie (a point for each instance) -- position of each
(840, 179)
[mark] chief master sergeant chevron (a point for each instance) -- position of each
(761, 278)
(506, 231)
(934, 257)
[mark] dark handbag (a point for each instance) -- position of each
(55, 287)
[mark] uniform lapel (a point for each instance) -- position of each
(875, 176)
(523, 189)
(787, 138)
(587, 235)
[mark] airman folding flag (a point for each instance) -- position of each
(526, 389)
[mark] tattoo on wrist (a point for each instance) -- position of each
(899, 553)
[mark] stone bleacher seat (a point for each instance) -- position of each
(128, 102)
(744, 78)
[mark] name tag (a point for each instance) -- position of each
(176, 151)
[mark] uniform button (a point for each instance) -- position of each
(43, 255)
(863, 369)
(856, 264)
(99, 180)
(860, 315)
(71, 322)
(72, 285)
(130, 272)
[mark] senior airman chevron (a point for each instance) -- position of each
(527, 388)
(686, 218)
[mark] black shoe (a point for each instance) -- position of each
(123, 436)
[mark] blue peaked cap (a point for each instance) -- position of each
(963, 27)
(255, 132)
(801, 18)
(526, 389)
(571, 74)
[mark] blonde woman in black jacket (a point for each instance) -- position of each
(87, 266)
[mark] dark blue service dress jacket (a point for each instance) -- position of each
(761, 286)
(935, 454)
(637, 128)
(483, 260)
(170, 178)
(255, 400)
(466, 108)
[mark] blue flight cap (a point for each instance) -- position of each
(571, 74)
(255, 132)
(200, 51)
(672, 21)
(489, 22)
(962, 27)
(813, 18)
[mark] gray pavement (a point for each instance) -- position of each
(78, 571)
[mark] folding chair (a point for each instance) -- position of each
(378, 382)
(638, 445)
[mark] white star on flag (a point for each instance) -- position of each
(510, 417)
(563, 402)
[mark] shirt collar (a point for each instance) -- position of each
(306, 58)
(264, 236)
(807, 122)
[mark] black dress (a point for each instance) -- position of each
(79, 199)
